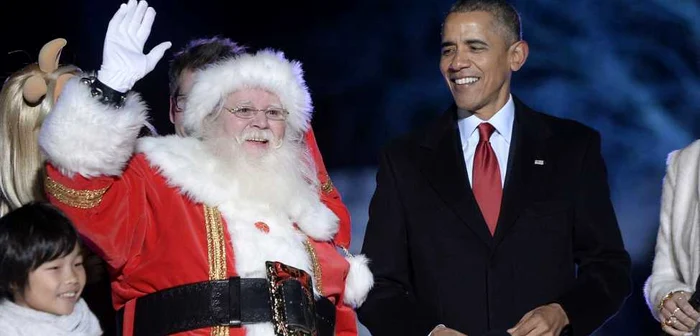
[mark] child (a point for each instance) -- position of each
(42, 275)
(26, 98)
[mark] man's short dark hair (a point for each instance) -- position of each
(30, 236)
(199, 53)
(505, 14)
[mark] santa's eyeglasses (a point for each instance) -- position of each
(246, 112)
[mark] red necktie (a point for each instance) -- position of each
(486, 178)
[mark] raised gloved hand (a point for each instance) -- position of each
(123, 60)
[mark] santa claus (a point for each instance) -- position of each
(221, 233)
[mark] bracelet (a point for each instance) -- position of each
(666, 297)
(104, 93)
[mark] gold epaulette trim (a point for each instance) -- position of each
(327, 187)
(82, 199)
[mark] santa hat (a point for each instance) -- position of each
(268, 70)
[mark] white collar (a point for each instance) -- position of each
(502, 121)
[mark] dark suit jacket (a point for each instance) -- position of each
(557, 238)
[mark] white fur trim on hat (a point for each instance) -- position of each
(359, 280)
(266, 69)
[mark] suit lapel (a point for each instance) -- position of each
(527, 145)
(443, 165)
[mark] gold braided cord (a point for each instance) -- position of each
(81, 199)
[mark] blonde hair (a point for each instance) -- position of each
(21, 162)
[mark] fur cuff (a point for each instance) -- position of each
(358, 282)
(84, 136)
(655, 293)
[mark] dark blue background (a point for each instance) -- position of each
(629, 68)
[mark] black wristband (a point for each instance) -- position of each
(104, 93)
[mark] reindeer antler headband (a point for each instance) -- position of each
(35, 87)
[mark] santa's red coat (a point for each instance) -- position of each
(145, 214)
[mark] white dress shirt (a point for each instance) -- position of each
(502, 121)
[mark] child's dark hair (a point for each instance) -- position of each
(31, 235)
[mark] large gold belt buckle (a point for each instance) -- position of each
(291, 300)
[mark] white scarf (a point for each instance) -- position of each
(22, 321)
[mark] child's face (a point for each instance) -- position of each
(55, 286)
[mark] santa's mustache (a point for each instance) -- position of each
(260, 135)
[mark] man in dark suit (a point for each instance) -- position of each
(496, 218)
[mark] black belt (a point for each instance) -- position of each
(233, 302)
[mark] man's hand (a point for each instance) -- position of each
(441, 330)
(123, 60)
(546, 320)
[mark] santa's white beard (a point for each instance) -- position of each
(273, 177)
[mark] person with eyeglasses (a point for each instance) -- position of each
(220, 232)
(198, 54)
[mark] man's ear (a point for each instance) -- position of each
(518, 53)
(171, 112)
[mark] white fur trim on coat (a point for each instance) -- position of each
(81, 135)
(677, 255)
(311, 215)
(359, 280)
(176, 158)
(266, 69)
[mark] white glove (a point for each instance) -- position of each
(123, 60)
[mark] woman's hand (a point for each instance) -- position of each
(677, 316)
